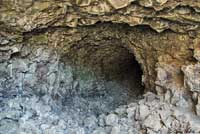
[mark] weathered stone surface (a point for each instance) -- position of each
(192, 77)
(163, 14)
(44, 43)
(111, 120)
(117, 4)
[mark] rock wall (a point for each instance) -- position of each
(162, 34)
(26, 15)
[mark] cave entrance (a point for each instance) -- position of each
(107, 73)
(80, 84)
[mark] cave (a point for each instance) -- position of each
(92, 79)
(108, 60)
(79, 82)
(108, 74)
(99, 67)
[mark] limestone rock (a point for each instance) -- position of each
(143, 111)
(117, 4)
(152, 121)
(192, 77)
(99, 131)
(94, 10)
(111, 120)
(146, 3)
(57, 48)
(161, 2)
(83, 2)
(91, 122)
(115, 130)
(197, 109)
(197, 54)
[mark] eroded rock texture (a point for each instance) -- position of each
(26, 15)
(36, 37)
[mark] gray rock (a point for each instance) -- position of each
(91, 122)
(45, 126)
(121, 110)
(4, 42)
(99, 130)
(192, 77)
(101, 120)
(9, 127)
(153, 122)
(133, 131)
(42, 109)
(19, 65)
(111, 119)
(27, 116)
(77, 130)
(115, 130)
(131, 111)
(143, 111)
(30, 80)
(197, 109)
(62, 124)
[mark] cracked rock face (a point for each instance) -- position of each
(26, 15)
(91, 57)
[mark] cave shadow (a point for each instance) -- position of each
(109, 61)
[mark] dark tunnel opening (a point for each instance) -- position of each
(109, 61)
